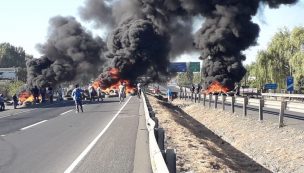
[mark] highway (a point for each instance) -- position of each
(55, 139)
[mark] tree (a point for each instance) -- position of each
(11, 56)
(197, 78)
(283, 57)
(185, 79)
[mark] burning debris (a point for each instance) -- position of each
(216, 88)
(143, 35)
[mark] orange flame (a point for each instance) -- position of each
(216, 87)
(114, 87)
(25, 96)
(114, 73)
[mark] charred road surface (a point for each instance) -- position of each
(56, 139)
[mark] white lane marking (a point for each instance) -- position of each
(66, 112)
(27, 127)
(30, 110)
(91, 145)
(2, 135)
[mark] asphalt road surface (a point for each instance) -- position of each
(55, 139)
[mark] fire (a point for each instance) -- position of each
(114, 72)
(25, 96)
(216, 87)
(114, 87)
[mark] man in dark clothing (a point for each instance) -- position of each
(2, 105)
(15, 101)
(35, 93)
(43, 94)
(50, 93)
(198, 89)
(192, 89)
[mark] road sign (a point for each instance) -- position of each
(272, 86)
(178, 67)
(195, 66)
(290, 83)
(8, 73)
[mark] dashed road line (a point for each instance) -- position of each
(66, 112)
(27, 127)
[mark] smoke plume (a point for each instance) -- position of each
(145, 34)
(69, 54)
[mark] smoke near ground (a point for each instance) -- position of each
(145, 34)
(69, 54)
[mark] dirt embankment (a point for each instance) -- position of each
(209, 140)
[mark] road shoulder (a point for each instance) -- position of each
(142, 162)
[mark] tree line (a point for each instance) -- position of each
(11, 56)
(283, 57)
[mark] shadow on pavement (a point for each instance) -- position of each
(231, 157)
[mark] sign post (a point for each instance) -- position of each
(290, 84)
(272, 86)
(195, 66)
(178, 67)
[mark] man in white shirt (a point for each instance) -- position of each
(122, 92)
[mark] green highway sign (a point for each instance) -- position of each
(195, 66)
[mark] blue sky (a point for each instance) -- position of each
(24, 22)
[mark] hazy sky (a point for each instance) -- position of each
(24, 22)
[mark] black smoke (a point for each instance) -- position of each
(69, 54)
(227, 31)
(143, 35)
(136, 48)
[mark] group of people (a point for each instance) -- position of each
(77, 94)
(2, 104)
(44, 93)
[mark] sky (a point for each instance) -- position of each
(24, 23)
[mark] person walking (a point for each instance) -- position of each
(15, 101)
(122, 92)
(43, 94)
(77, 97)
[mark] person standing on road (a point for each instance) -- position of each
(35, 93)
(15, 101)
(50, 94)
(43, 94)
(122, 92)
(91, 92)
(77, 96)
(2, 105)
(139, 90)
(99, 94)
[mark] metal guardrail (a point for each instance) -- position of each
(283, 95)
(157, 160)
(261, 103)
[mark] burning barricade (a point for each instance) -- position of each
(217, 88)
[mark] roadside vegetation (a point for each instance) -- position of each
(283, 57)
